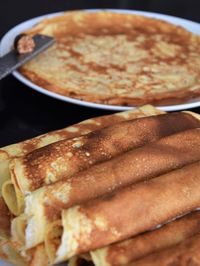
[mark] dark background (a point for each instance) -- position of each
(25, 113)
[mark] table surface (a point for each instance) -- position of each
(25, 113)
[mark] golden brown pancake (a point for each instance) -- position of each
(120, 59)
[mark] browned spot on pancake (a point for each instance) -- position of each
(4, 155)
(29, 145)
(52, 213)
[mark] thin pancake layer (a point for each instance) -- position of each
(100, 222)
(142, 245)
(120, 59)
(144, 163)
(184, 254)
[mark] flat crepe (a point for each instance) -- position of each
(120, 59)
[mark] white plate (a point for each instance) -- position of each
(8, 38)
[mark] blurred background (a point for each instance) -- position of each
(25, 113)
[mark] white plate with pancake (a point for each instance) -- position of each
(7, 42)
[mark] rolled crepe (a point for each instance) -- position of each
(67, 157)
(150, 242)
(146, 162)
(124, 214)
(184, 254)
(82, 128)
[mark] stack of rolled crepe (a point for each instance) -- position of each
(9, 249)
(113, 190)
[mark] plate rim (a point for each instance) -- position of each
(30, 22)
